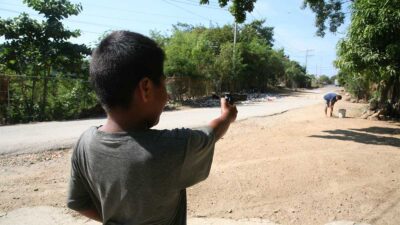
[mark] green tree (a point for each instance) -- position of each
(327, 11)
(226, 69)
(370, 53)
(182, 50)
(238, 8)
(256, 29)
(41, 48)
(323, 79)
(295, 75)
(333, 79)
(208, 53)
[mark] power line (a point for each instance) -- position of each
(139, 12)
(94, 24)
(117, 9)
(9, 10)
(252, 16)
(198, 5)
(13, 11)
(68, 20)
(215, 4)
(90, 32)
(308, 55)
(287, 44)
(186, 10)
(81, 21)
(123, 19)
(259, 14)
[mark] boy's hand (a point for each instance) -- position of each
(221, 124)
(228, 111)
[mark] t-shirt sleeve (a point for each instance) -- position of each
(198, 156)
(78, 197)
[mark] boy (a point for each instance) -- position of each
(331, 99)
(124, 172)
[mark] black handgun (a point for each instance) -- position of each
(231, 98)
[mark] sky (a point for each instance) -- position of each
(294, 28)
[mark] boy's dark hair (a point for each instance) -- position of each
(120, 61)
(339, 97)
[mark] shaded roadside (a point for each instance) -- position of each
(370, 136)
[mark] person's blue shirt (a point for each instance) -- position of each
(330, 97)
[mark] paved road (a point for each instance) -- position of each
(55, 135)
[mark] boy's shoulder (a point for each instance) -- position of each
(92, 135)
(181, 132)
(175, 143)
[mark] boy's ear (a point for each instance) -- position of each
(144, 89)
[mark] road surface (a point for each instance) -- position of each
(36, 137)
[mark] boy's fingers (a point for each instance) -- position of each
(223, 101)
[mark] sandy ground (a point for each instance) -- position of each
(298, 167)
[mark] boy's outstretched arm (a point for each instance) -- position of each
(221, 124)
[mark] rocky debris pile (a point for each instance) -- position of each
(207, 101)
(210, 101)
(374, 112)
(371, 112)
(260, 97)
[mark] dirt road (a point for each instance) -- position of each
(36, 137)
(296, 168)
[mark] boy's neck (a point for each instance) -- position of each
(117, 122)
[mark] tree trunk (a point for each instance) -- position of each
(384, 91)
(390, 97)
(395, 97)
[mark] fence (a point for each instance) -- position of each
(181, 88)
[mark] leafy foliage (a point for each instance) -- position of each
(326, 10)
(209, 54)
(369, 57)
(40, 52)
(238, 8)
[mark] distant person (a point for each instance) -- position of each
(124, 172)
(331, 99)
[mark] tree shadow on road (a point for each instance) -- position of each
(379, 130)
(360, 137)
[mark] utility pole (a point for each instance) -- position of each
(234, 47)
(308, 55)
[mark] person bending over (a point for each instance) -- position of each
(331, 99)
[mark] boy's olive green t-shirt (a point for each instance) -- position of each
(139, 177)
